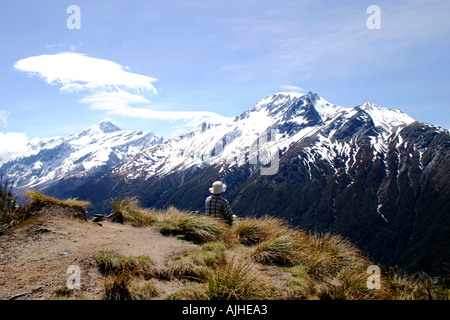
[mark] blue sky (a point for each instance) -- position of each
(165, 65)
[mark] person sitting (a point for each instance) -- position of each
(217, 206)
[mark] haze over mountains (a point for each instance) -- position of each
(372, 174)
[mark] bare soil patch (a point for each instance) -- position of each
(35, 256)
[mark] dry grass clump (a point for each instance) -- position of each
(109, 262)
(194, 227)
(281, 250)
(328, 254)
(40, 199)
(117, 286)
(120, 271)
(234, 263)
(417, 286)
(237, 279)
(271, 240)
(188, 226)
(252, 231)
(192, 265)
(132, 212)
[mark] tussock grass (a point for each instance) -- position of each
(234, 263)
(272, 241)
(41, 199)
(328, 254)
(416, 286)
(117, 286)
(110, 263)
(144, 292)
(62, 290)
(190, 227)
(194, 227)
(132, 212)
(282, 250)
(252, 231)
(120, 271)
(238, 279)
(192, 265)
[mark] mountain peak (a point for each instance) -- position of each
(385, 117)
(106, 126)
(102, 127)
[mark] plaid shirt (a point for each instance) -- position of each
(217, 206)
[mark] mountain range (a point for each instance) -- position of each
(372, 174)
(70, 161)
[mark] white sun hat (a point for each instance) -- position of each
(218, 187)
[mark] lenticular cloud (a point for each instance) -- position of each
(105, 86)
(78, 72)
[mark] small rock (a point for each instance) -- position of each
(65, 253)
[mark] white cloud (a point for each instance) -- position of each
(4, 117)
(292, 88)
(106, 86)
(78, 72)
(11, 144)
(120, 103)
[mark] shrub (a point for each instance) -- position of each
(62, 290)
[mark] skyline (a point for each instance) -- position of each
(164, 66)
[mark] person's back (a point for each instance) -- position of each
(216, 205)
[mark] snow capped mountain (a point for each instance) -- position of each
(77, 157)
(261, 133)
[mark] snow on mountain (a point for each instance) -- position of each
(97, 148)
(261, 133)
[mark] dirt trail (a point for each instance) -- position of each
(34, 258)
